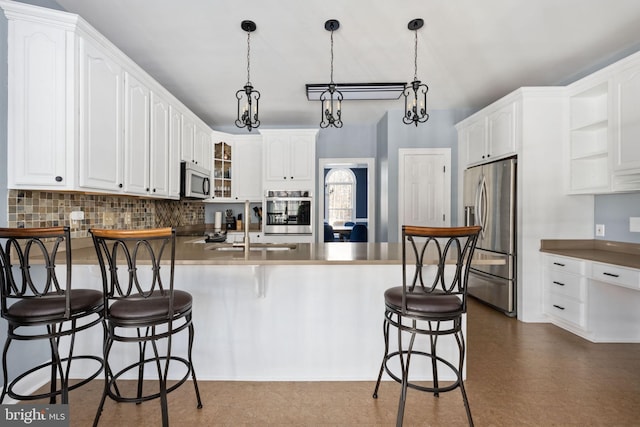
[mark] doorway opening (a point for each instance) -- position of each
(347, 193)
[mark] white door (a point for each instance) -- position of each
(424, 187)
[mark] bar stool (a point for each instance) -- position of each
(38, 303)
(141, 306)
(430, 302)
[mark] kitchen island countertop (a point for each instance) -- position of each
(191, 251)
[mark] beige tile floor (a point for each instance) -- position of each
(518, 375)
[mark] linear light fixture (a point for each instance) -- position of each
(358, 91)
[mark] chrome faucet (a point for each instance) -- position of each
(247, 245)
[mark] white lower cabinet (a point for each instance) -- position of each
(597, 301)
(565, 290)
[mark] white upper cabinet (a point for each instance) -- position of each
(136, 135)
(83, 116)
(160, 147)
(237, 168)
(626, 114)
(196, 142)
(289, 159)
(246, 174)
(37, 101)
(175, 144)
(101, 119)
(490, 135)
(604, 130)
(589, 137)
(475, 141)
(501, 127)
(202, 146)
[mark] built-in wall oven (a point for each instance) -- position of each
(288, 212)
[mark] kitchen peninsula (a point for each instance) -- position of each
(313, 312)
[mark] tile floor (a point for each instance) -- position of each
(518, 375)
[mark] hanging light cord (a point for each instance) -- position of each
(332, 56)
(248, 57)
(415, 56)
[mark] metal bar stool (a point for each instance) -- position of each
(141, 306)
(430, 302)
(38, 302)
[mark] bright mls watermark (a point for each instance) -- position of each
(34, 415)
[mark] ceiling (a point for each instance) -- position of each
(470, 52)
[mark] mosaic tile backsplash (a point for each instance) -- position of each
(49, 209)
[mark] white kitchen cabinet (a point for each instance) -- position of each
(565, 293)
(246, 173)
(289, 159)
(101, 118)
(196, 142)
(82, 116)
(38, 96)
(223, 160)
(237, 168)
(604, 127)
(136, 135)
(175, 143)
(491, 135)
(589, 137)
(475, 141)
(597, 301)
(502, 130)
(160, 147)
(538, 131)
(188, 137)
(626, 121)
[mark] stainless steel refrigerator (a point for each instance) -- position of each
(490, 201)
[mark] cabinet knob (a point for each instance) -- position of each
(58, 179)
(291, 177)
(154, 190)
(119, 185)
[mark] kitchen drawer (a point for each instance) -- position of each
(616, 275)
(569, 265)
(565, 308)
(569, 285)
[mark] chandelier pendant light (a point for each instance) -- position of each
(415, 95)
(331, 98)
(247, 96)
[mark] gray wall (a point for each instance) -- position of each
(437, 132)
(614, 210)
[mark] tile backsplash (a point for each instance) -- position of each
(49, 209)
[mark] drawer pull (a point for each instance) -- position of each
(559, 264)
(558, 307)
(558, 283)
(611, 274)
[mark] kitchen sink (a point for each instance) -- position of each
(254, 247)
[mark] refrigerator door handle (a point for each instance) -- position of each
(481, 205)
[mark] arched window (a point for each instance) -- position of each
(340, 195)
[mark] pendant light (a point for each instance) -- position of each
(415, 95)
(331, 98)
(247, 96)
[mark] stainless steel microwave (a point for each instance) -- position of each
(194, 181)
